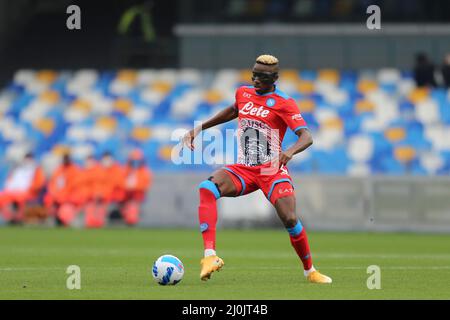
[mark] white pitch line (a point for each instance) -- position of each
(344, 268)
(239, 268)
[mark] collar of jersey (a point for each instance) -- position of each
(264, 94)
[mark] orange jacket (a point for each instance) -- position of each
(64, 181)
(137, 179)
(111, 186)
(91, 182)
(38, 183)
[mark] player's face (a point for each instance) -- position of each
(264, 77)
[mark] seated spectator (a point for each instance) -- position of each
(424, 71)
(106, 181)
(64, 196)
(24, 184)
(93, 199)
(446, 71)
(138, 179)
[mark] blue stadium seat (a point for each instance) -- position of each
(341, 96)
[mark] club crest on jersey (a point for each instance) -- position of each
(250, 109)
(270, 102)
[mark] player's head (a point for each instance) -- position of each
(90, 161)
(265, 73)
(28, 158)
(136, 158)
(107, 159)
(66, 159)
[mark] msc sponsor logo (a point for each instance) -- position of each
(297, 117)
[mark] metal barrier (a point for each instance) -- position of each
(311, 46)
(323, 203)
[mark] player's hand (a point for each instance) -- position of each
(284, 158)
(188, 138)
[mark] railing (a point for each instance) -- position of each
(323, 203)
(347, 46)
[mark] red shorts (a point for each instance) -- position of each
(274, 183)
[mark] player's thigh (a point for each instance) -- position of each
(224, 183)
(285, 208)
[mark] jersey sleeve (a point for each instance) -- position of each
(292, 116)
(236, 97)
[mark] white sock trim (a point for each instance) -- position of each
(210, 252)
(307, 272)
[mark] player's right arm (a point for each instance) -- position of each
(223, 116)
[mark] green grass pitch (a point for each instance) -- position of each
(259, 264)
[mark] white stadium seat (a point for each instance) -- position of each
(360, 148)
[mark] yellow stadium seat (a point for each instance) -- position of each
(123, 105)
(50, 96)
(245, 76)
(60, 150)
(395, 134)
(82, 105)
(213, 96)
(45, 125)
(305, 87)
(289, 74)
(418, 95)
(404, 154)
(47, 76)
(366, 86)
(364, 106)
(306, 105)
(329, 75)
(141, 133)
(165, 152)
(128, 76)
(333, 123)
(161, 86)
(107, 123)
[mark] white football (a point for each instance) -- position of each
(168, 270)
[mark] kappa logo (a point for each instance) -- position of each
(250, 109)
(247, 95)
(297, 117)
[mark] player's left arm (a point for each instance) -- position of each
(293, 118)
(303, 142)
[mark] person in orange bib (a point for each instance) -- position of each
(24, 184)
(64, 196)
(138, 180)
(91, 189)
(106, 181)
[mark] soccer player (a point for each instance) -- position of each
(264, 113)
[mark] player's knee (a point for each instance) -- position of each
(211, 187)
(290, 221)
(295, 227)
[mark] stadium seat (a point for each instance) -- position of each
(353, 116)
